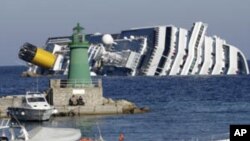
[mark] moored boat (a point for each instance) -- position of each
(34, 107)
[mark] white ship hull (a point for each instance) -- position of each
(27, 114)
(153, 51)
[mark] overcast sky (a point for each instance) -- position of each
(35, 20)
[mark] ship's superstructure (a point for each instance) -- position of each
(157, 50)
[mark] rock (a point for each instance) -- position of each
(141, 110)
(111, 101)
(125, 103)
(128, 110)
(145, 109)
(137, 111)
(105, 100)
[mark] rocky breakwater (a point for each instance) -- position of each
(126, 107)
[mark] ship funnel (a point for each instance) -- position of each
(37, 56)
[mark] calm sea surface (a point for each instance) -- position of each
(182, 108)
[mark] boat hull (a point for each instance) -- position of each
(26, 114)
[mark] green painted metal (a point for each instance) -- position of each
(79, 67)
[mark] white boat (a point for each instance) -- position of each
(34, 107)
(12, 132)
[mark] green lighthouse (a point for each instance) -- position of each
(79, 67)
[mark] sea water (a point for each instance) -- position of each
(182, 107)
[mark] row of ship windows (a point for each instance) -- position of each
(163, 60)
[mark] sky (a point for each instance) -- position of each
(35, 20)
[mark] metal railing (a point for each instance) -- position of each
(66, 83)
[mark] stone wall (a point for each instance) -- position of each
(92, 94)
(59, 95)
(9, 101)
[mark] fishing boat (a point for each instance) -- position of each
(34, 107)
(17, 132)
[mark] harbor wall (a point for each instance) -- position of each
(94, 101)
(8, 101)
(59, 95)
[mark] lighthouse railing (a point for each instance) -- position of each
(79, 83)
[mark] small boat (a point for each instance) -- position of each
(17, 132)
(34, 107)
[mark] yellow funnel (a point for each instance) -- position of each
(44, 58)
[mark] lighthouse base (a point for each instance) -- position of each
(92, 100)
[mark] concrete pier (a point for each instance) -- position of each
(61, 91)
(94, 103)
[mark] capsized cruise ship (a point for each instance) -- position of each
(150, 51)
